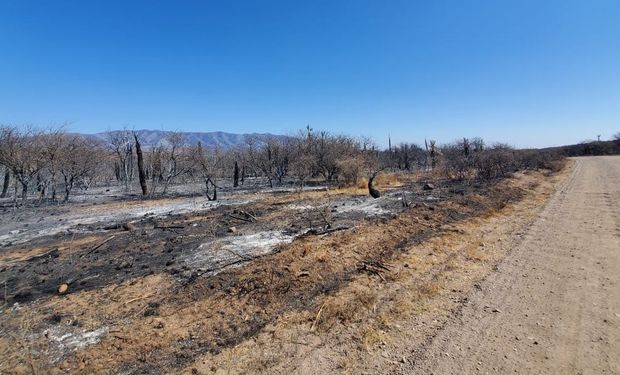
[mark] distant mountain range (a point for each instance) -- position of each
(223, 140)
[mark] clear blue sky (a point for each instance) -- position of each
(530, 73)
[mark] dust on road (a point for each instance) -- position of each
(553, 307)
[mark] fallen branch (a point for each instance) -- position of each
(237, 254)
(318, 316)
(375, 268)
(53, 252)
(98, 246)
(138, 298)
(241, 218)
(320, 232)
(248, 215)
(164, 227)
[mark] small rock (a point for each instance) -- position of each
(129, 226)
(428, 186)
(232, 230)
(63, 288)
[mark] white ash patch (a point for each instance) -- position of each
(368, 206)
(299, 207)
(214, 255)
(65, 341)
(70, 222)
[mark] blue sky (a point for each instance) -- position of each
(529, 73)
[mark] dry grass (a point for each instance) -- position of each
(263, 316)
(346, 308)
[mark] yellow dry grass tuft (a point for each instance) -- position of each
(346, 307)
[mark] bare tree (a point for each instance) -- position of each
(433, 152)
(121, 143)
(79, 161)
(54, 147)
(175, 161)
(208, 167)
(21, 152)
(478, 144)
(271, 159)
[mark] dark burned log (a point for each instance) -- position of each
(98, 246)
(371, 189)
(322, 231)
(164, 227)
(243, 216)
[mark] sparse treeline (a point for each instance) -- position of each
(53, 163)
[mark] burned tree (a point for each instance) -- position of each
(80, 162)
(122, 146)
(371, 189)
(175, 162)
(54, 152)
(236, 175)
(432, 151)
(207, 165)
(141, 174)
(21, 152)
(6, 182)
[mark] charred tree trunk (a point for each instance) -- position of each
(141, 174)
(68, 187)
(5, 185)
(371, 189)
(236, 175)
(209, 182)
(24, 190)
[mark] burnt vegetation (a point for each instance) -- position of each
(50, 165)
(331, 208)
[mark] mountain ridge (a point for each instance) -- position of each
(221, 139)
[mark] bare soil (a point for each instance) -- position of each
(312, 282)
(553, 306)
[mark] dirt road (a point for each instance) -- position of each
(553, 306)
